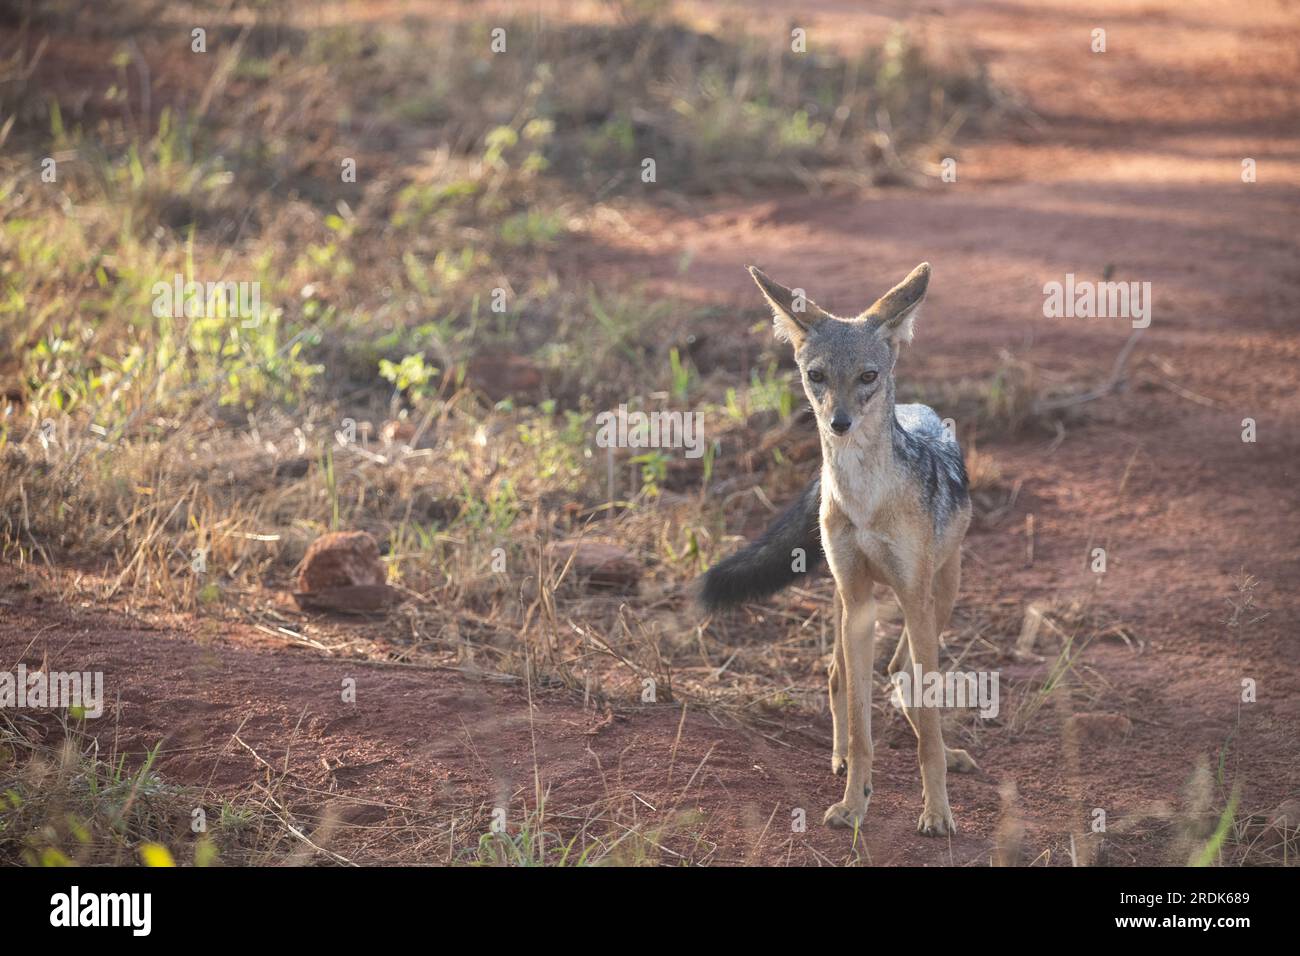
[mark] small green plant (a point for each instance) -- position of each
(495, 512)
(682, 375)
(771, 392)
(559, 451)
(411, 375)
(654, 471)
(532, 228)
(1210, 853)
(331, 486)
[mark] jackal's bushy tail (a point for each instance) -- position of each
(767, 565)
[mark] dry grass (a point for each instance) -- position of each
(141, 440)
(63, 802)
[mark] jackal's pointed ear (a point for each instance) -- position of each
(895, 312)
(793, 313)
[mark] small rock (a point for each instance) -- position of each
(1099, 728)
(599, 563)
(342, 572)
(341, 559)
(501, 375)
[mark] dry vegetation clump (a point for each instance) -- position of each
(140, 435)
(63, 802)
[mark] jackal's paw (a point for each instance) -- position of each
(936, 821)
(845, 816)
(839, 764)
(960, 761)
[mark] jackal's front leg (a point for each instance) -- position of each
(936, 815)
(858, 641)
(837, 678)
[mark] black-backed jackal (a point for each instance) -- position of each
(890, 506)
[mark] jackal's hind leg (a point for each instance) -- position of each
(947, 581)
(923, 638)
(899, 660)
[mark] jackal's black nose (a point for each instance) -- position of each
(840, 423)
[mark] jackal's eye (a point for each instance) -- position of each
(867, 378)
(816, 376)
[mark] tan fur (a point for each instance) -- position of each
(875, 528)
(897, 547)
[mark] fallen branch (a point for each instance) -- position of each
(1101, 391)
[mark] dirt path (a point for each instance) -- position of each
(1134, 163)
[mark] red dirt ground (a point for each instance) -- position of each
(1134, 162)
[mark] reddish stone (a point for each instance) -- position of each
(341, 559)
(598, 563)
